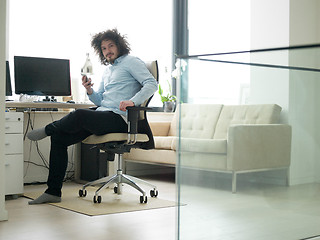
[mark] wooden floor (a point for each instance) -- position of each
(255, 212)
(46, 222)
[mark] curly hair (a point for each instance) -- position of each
(113, 34)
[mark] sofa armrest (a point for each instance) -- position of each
(160, 128)
(258, 146)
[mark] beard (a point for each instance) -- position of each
(111, 58)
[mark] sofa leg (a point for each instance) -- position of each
(234, 182)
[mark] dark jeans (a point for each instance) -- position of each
(72, 129)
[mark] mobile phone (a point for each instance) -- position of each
(86, 79)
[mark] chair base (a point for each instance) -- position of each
(119, 179)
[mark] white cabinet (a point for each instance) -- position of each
(13, 153)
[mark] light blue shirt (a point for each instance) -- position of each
(126, 79)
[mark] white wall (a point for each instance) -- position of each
(282, 23)
(63, 29)
(269, 29)
(220, 26)
(304, 111)
(3, 212)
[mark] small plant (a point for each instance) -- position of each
(168, 97)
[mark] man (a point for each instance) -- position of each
(126, 82)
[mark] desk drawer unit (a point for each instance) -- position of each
(14, 170)
(13, 153)
(13, 144)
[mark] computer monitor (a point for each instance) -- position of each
(42, 76)
(8, 80)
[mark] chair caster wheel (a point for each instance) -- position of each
(97, 199)
(143, 199)
(82, 193)
(154, 193)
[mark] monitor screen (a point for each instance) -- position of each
(42, 76)
(8, 80)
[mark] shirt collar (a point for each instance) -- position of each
(119, 59)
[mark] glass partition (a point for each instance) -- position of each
(249, 133)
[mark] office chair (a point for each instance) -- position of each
(139, 136)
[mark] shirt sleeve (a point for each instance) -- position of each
(97, 96)
(140, 72)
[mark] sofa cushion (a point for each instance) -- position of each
(160, 128)
(157, 156)
(204, 145)
(245, 114)
(162, 142)
(199, 120)
(192, 144)
(173, 125)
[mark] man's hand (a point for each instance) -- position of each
(86, 82)
(124, 104)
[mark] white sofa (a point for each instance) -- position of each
(225, 138)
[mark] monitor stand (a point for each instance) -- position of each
(49, 99)
(8, 99)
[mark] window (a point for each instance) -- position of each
(217, 26)
(63, 29)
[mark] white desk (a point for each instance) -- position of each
(35, 152)
(59, 105)
(39, 119)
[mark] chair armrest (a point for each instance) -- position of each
(258, 146)
(133, 118)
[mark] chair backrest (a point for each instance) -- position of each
(153, 69)
(152, 66)
(143, 125)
